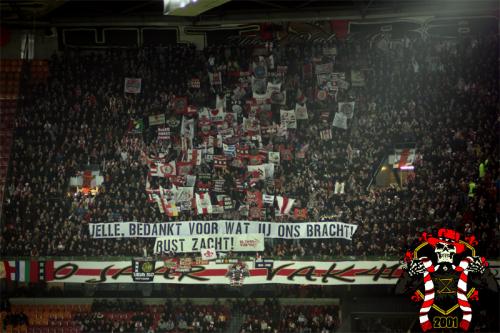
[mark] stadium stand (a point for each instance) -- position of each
(431, 93)
(117, 316)
(10, 74)
(273, 317)
(282, 132)
(134, 316)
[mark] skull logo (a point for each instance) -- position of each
(445, 252)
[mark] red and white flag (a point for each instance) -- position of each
(284, 204)
(208, 254)
(215, 78)
(326, 134)
(217, 115)
(203, 204)
(194, 156)
(184, 168)
(159, 169)
(220, 161)
(402, 157)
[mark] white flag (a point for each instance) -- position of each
(339, 187)
(208, 254)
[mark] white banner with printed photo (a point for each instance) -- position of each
(301, 111)
(347, 108)
(288, 118)
(273, 88)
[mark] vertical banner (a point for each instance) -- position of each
(288, 118)
(347, 108)
(143, 270)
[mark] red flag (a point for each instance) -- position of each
(255, 198)
(34, 271)
(184, 168)
(404, 157)
(255, 159)
(340, 27)
(87, 178)
(300, 213)
(46, 270)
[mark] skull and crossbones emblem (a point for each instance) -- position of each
(446, 264)
(445, 252)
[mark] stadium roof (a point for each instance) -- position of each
(60, 12)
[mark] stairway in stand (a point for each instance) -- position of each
(235, 323)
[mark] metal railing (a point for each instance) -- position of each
(242, 257)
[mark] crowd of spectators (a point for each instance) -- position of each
(133, 316)
(270, 316)
(187, 317)
(183, 316)
(383, 324)
(440, 96)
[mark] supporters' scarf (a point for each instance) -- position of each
(462, 293)
(429, 294)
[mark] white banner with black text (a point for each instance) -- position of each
(221, 243)
(308, 230)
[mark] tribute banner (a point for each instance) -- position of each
(224, 243)
(223, 227)
(143, 270)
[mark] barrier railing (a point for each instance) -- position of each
(242, 257)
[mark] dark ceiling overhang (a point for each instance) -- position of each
(150, 12)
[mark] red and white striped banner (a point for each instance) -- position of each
(216, 272)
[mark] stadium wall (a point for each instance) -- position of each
(45, 43)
